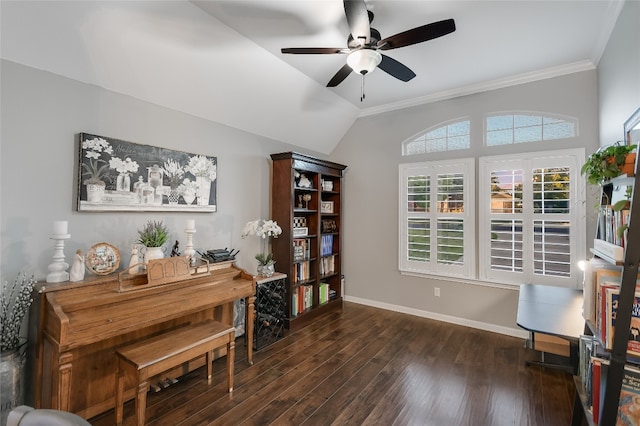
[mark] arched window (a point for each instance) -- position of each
(507, 129)
(447, 137)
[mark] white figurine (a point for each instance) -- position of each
(76, 273)
(304, 182)
(135, 260)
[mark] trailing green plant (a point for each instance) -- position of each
(154, 234)
(606, 162)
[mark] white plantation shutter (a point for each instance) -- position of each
(437, 210)
(531, 224)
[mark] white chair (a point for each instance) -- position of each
(27, 416)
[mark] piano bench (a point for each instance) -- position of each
(150, 357)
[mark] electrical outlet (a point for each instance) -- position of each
(436, 291)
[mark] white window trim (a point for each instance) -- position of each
(433, 168)
(573, 158)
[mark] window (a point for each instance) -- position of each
(531, 219)
(520, 128)
(449, 137)
(437, 210)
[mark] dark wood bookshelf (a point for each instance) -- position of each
(289, 208)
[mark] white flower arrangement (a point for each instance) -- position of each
(263, 229)
(187, 186)
(268, 228)
(199, 165)
(126, 166)
(94, 148)
(16, 299)
(173, 171)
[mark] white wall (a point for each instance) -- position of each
(619, 75)
(42, 114)
(372, 150)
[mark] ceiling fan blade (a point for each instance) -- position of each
(314, 50)
(418, 35)
(340, 75)
(358, 20)
(395, 69)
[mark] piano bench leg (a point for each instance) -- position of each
(119, 396)
(141, 402)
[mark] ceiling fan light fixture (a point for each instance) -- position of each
(364, 61)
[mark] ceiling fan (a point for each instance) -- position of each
(365, 42)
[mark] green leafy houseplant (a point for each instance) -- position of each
(606, 163)
(264, 259)
(154, 234)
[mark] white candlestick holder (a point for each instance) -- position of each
(58, 268)
(189, 250)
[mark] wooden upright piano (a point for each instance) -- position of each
(77, 326)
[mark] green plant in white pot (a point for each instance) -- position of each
(153, 236)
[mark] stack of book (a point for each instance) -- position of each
(301, 299)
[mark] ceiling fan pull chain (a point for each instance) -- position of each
(362, 89)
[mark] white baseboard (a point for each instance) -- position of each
(514, 332)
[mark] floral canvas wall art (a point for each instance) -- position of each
(115, 175)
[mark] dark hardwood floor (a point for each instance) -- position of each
(372, 367)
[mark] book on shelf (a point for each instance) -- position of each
(604, 278)
(302, 299)
(323, 293)
(629, 403)
(610, 223)
(608, 289)
(633, 344)
(328, 265)
(592, 266)
(326, 246)
(301, 271)
(294, 304)
(301, 249)
(597, 392)
(585, 370)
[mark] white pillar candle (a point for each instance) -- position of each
(191, 224)
(60, 227)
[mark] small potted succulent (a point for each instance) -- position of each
(153, 236)
(609, 162)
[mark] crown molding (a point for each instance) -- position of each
(515, 80)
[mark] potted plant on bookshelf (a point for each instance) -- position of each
(14, 305)
(609, 162)
(263, 229)
(153, 236)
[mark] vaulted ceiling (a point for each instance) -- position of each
(221, 60)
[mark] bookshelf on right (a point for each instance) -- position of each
(608, 380)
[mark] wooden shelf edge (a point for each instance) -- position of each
(605, 257)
